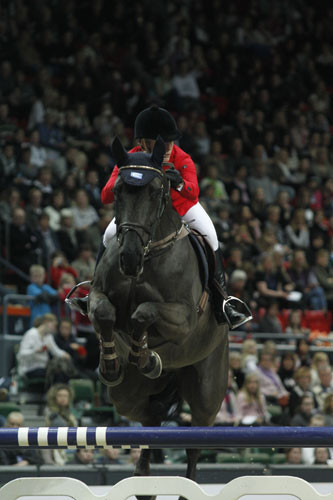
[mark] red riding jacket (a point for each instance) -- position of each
(182, 200)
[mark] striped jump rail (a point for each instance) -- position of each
(165, 437)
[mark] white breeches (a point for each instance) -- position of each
(196, 217)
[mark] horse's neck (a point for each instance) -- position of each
(169, 223)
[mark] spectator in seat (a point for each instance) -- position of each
(306, 282)
(303, 412)
(67, 235)
(85, 263)
(324, 386)
(317, 420)
(320, 360)
(10, 200)
(283, 202)
(59, 266)
(238, 288)
(235, 367)
(303, 356)
(82, 457)
(259, 203)
(54, 209)
(297, 232)
(270, 322)
(261, 179)
(93, 190)
(287, 369)
(110, 456)
(271, 385)
(327, 410)
(272, 283)
(85, 218)
(19, 457)
(8, 164)
(23, 242)
(35, 346)
(33, 208)
(58, 409)
(44, 183)
(228, 414)
(294, 456)
(58, 414)
(294, 325)
(251, 402)
(48, 240)
(321, 456)
(324, 274)
(44, 295)
(38, 152)
(249, 356)
(302, 388)
(66, 340)
(273, 222)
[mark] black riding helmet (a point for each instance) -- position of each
(155, 121)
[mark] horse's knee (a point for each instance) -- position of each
(102, 312)
(145, 314)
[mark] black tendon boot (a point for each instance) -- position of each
(80, 304)
(228, 313)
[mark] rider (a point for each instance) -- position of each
(181, 172)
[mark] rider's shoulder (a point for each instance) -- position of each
(180, 155)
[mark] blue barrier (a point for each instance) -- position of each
(165, 437)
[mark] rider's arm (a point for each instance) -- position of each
(107, 195)
(187, 169)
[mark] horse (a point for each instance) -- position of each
(156, 343)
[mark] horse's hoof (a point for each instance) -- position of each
(154, 367)
(112, 383)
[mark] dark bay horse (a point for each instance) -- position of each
(143, 305)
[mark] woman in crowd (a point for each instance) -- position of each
(251, 402)
(36, 345)
(287, 369)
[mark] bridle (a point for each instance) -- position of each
(125, 227)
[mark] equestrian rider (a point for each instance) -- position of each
(184, 192)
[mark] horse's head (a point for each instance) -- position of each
(140, 192)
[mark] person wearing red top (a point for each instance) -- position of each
(181, 172)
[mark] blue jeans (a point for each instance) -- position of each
(316, 298)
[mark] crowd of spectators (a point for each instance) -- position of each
(250, 86)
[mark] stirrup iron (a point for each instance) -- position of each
(248, 312)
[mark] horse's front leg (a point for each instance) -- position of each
(147, 361)
(102, 315)
(175, 318)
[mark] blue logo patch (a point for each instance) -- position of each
(137, 175)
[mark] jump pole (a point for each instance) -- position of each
(165, 437)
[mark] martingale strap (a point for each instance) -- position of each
(171, 238)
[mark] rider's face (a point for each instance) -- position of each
(148, 145)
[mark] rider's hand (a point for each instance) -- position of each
(174, 177)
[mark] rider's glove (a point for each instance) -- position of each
(174, 177)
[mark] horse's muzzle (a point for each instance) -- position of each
(131, 263)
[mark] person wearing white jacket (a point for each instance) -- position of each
(36, 345)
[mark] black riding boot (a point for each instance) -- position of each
(220, 294)
(80, 304)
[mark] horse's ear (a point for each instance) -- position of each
(119, 154)
(158, 151)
